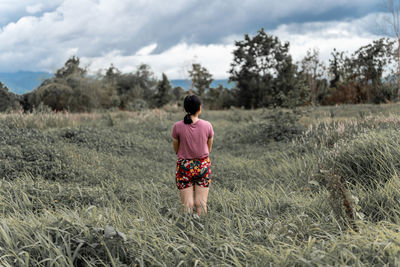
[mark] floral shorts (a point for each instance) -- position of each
(193, 171)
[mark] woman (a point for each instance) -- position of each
(193, 139)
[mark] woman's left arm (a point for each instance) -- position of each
(210, 143)
(176, 145)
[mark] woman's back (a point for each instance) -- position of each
(192, 138)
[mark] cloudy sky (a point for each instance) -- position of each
(40, 35)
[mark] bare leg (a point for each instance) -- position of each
(187, 199)
(200, 199)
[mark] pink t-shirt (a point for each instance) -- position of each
(192, 138)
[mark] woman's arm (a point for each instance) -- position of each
(210, 143)
(176, 145)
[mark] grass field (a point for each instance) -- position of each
(98, 189)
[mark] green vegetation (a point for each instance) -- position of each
(262, 70)
(265, 75)
(289, 188)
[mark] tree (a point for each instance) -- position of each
(286, 86)
(70, 89)
(220, 98)
(8, 100)
(263, 71)
(138, 87)
(336, 68)
(201, 79)
(146, 80)
(370, 62)
(112, 75)
(393, 6)
(163, 94)
(178, 92)
(313, 71)
(361, 74)
(71, 67)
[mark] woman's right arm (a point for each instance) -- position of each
(210, 143)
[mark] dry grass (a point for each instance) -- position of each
(70, 178)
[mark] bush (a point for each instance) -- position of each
(276, 125)
(368, 165)
(8, 100)
(347, 93)
(370, 159)
(34, 153)
(55, 95)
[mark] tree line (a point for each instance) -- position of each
(262, 70)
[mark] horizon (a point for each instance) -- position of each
(22, 82)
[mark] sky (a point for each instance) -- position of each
(40, 35)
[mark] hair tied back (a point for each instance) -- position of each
(188, 119)
(191, 104)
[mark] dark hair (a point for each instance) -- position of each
(191, 104)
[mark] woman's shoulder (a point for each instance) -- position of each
(178, 123)
(206, 122)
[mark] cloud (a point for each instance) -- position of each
(12, 11)
(168, 35)
(174, 62)
(345, 36)
(32, 9)
(147, 50)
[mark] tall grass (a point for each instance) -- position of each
(99, 190)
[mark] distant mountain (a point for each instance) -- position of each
(186, 84)
(22, 82)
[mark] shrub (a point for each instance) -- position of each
(276, 125)
(370, 159)
(34, 153)
(8, 100)
(347, 93)
(368, 165)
